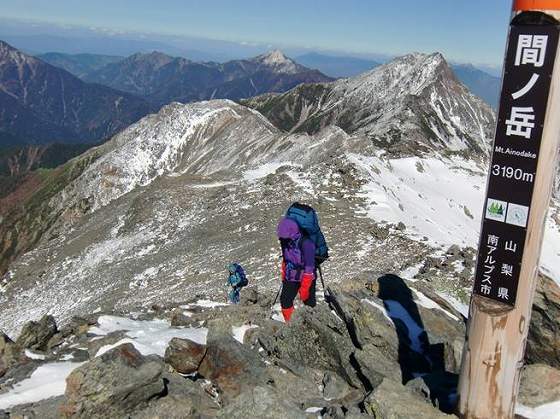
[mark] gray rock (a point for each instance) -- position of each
(36, 335)
(77, 327)
(334, 387)
(45, 409)
(178, 318)
(184, 398)
(367, 323)
(540, 384)
(232, 367)
(314, 339)
(249, 297)
(438, 388)
(334, 412)
(302, 390)
(391, 400)
(375, 366)
(113, 384)
(184, 355)
(93, 346)
(9, 354)
(543, 342)
(261, 402)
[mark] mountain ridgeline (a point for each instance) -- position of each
(412, 103)
(162, 79)
(40, 103)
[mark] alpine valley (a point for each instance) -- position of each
(134, 235)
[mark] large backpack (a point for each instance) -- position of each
(308, 222)
(241, 273)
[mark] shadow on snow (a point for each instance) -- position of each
(417, 357)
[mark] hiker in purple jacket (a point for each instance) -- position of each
(298, 267)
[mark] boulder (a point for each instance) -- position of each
(249, 297)
(374, 365)
(438, 388)
(232, 367)
(302, 390)
(36, 335)
(543, 342)
(261, 402)
(113, 384)
(315, 339)
(334, 387)
(540, 384)
(184, 355)
(364, 315)
(9, 353)
(184, 398)
(77, 327)
(179, 318)
(393, 400)
(44, 409)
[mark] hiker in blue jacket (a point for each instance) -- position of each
(236, 280)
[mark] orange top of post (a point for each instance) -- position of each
(526, 5)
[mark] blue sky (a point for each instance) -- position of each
(464, 30)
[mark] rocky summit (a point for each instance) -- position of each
(379, 347)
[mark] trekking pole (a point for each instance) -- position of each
(281, 283)
(327, 298)
(277, 294)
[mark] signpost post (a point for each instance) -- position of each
(522, 173)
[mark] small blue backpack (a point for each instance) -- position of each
(237, 270)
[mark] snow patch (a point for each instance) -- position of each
(47, 381)
(147, 336)
(33, 355)
(239, 332)
(431, 304)
(204, 303)
(544, 411)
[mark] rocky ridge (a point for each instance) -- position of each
(413, 103)
(355, 358)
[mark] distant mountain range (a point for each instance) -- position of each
(40, 103)
(43, 103)
(162, 79)
(143, 74)
(482, 84)
(79, 65)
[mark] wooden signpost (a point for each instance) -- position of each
(522, 171)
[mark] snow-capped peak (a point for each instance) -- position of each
(278, 61)
(410, 73)
(275, 57)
